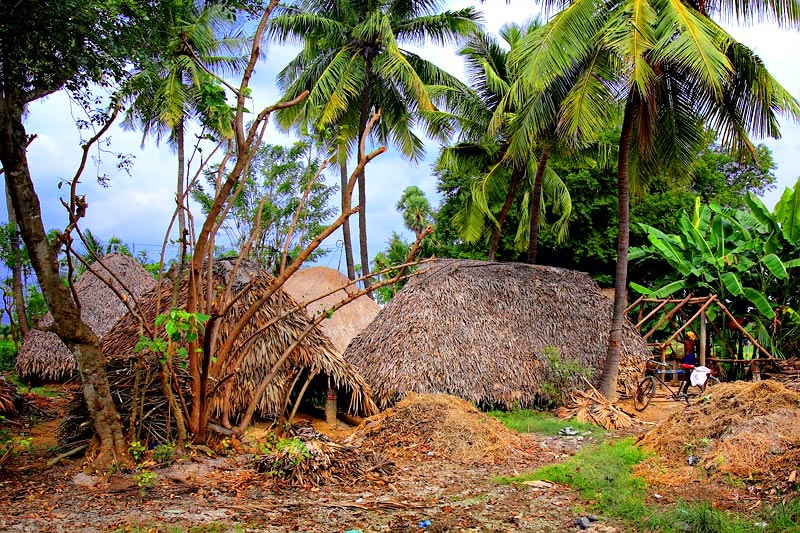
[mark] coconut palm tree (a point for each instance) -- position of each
(484, 145)
(352, 63)
(672, 69)
(175, 87)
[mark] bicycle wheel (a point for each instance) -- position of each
(644, 393)
(711, 381)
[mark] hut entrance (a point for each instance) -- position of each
(723, 342)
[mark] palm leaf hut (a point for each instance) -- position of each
(502, 334)
(43, 357)
(348, 321)
(314, 355)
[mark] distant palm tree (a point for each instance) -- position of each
(352, 63)
(175, 88)
(485, 132)
(671, 68)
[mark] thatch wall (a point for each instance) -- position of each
(481, 330)
(314, 353)
(348, 321)
(42, 355)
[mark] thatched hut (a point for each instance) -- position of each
(314, 355)
(491, 333)
(43, 357)
(348, 321)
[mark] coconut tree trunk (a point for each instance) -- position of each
(362, 180)
(180, 191)
(536, 205)
(346, 237)
(494, 243)
(67, 323)
(608, 379)
(16, 270)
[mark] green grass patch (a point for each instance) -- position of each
(603, 475)
(543, 422)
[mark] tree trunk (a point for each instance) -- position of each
(67, 323)
(16, 270)
(536, 206)
(494, 243)
(180, 191)
(362, 179)
(608, 379)
(346, 237)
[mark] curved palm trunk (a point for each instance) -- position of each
(362, 179)
(16, 269)
(494, 243)
(80, 340)
(180, 191)
(608, 379)
(346, 237)
(536, 206)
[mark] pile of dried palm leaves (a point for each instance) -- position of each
(438, 425)
(591, 406)
(8, 397)
(310, 458)
(749, 430)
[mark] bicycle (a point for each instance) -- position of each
(647, 387)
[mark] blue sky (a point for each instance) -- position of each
(137, 208)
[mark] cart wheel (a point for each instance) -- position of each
(644, 393)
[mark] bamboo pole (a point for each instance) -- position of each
(705, 306)
(744, 331)
(666, 317)
(641, 322)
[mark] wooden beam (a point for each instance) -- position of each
(744, 331)
(702, 309)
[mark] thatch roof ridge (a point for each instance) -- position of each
(479, 330)
(315, 352)
(42, 355)
(348, 321)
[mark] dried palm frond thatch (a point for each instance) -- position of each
(43, 356)
(310, 283)
(491, 333)
(314, 354)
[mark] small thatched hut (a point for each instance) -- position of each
(42, 356)
(491, 333)
(314, 355)
(348, 321)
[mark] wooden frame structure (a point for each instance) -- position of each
(646, 309)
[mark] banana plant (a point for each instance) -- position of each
(746, 257)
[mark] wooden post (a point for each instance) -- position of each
(703, 340)
(330, 405)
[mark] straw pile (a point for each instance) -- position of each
(42, 355)
(745, 429)
(441, 426)
(486, 332)
(347, 322)
(311, 458)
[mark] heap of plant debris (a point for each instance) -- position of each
(307, 457)
(748, 430)
(438, 425)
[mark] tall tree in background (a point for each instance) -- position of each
(174, 88)
(416, 210)
(352, 63)
(45, 47)
(276, 181)
(675, 67)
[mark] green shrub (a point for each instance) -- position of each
(8, 355)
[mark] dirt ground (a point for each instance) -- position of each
(424, 493)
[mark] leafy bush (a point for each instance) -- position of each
(8, 355)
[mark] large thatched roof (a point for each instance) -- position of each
(43, 356)
(315, 353)
(348, 321)
(482, 331)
